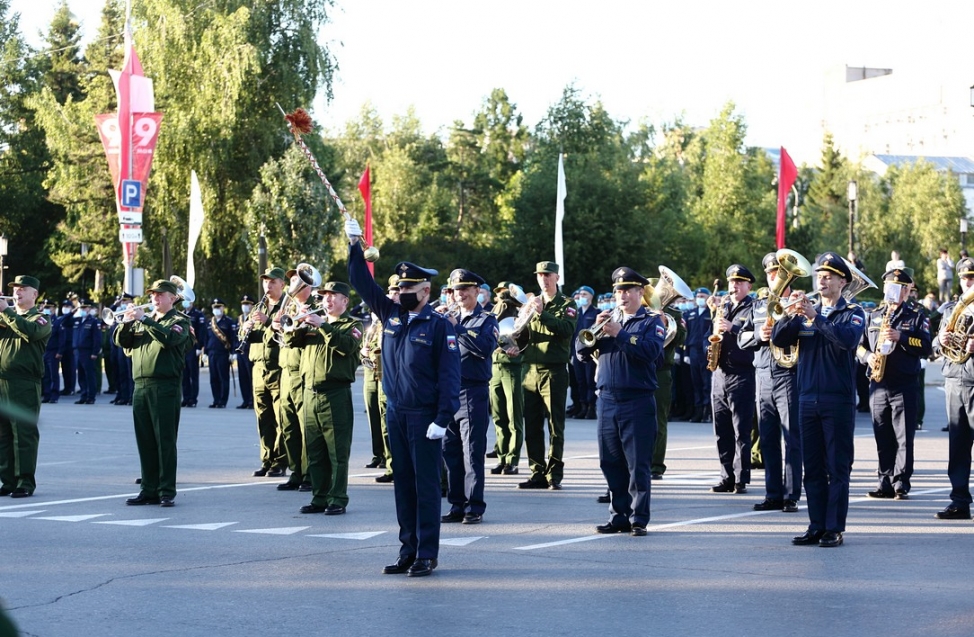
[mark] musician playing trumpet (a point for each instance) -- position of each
(897, 337)
(733, 386)
(829, 334)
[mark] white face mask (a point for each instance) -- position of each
(92, 312)
(245, 309)
(186, 305)
(79, 313)
(66, 310)
(581, 301)
(701, 302)
(480, 298)
(217, 313)
(47, 312)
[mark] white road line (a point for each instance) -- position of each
(286, 530)
(126, 495)
(365, 535)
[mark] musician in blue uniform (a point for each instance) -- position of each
(87, 348)
(958, 370)
(191, 375)
(777, 393)
(65, 355)
(465, 444)
(828, 334)
(220, 342)
(897, 337)
(421, 379)
(584, 370)
(125, 385)
(733, 388)
(51, 384)
(629, 348)
(242, 355)
(699, 326)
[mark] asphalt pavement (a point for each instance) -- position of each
(235, 557)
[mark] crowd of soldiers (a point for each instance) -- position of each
(779, 374)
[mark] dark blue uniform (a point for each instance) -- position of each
(191, 374)
(732, 393)
(421, 379)
(959, 387)
(51, 385)
(465, 444)
(584, 370)
(625, 380)
(218, 349)
(826, 405)
(893, 400)
(68, 366)
(125, 385)
(87, 348)
(244, 367)
(699, 327)
(777, 394)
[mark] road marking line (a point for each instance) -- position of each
(287, 530)
(73, 518)
(349, 536)
(213, 526)
(127, 495)
(461, 541)
(19, 514)
(130, 522)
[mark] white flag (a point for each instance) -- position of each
(559, 218)
(195, 226)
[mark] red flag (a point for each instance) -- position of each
(787, 175)
(365, 187)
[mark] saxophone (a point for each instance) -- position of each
(882, 349)
(713, 351)
(956, 352)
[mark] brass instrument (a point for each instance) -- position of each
(713, 350)
(791, 265)
(182, 289)
(669, 288)
(111, 317)
(878, 366)
(588, 337)
(242, 337)
(859, 282)
(511, 328)
(290, 323)
(958, 328)
(367, 352)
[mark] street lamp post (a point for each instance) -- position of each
(853, 197)
(3, 253)
(963, 234)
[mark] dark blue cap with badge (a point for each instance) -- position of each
(624, 278)
(702, 291)
(769, 262)
(965, 267)
(461, 278)
(410, 274)
(898, 275)
(218, 303)
(832, 262)
(738, 272)
(246, 298)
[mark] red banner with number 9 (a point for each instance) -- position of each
(145, 132)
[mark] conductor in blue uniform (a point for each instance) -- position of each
(628, 348)
(421, 379)
(828, 333)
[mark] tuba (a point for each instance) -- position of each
(182, 289)
(669, 288)
(791, 265)
(859, 282)
(959, 327)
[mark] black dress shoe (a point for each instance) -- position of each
(334, 509)
(879, 494)
(657, 475)
(473, 518)
(244, 406)
(212, 406)
(5, 491)
(533, 483)
(740, 487)
(138, 481)
(191, 403)
(81, 402)
(385, 477)
(554, 486)
(789, 506)
(277, 472)
(421, 568)
(304, 487)
(166, 501)
(953, 513)
(608, 527)
(313, 508)
(808, 538)
(498, 469)
(452, 516)
(830, 539)
(141, 499)
(638, 530)
(901, 494)
(21, 492)
(221, 406)
(510, 471)
(769, 504)
(401, 566)
(723, 487)
(260, 473)
(491, 454)
(289, 486)
(375, 464)
(604, 499)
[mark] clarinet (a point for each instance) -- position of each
(247, 330)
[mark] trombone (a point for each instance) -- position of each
(110, 317)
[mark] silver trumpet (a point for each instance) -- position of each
(290, 323)
(111, 317)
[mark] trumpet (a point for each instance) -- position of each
(813, 296)
(111, 317)
(289, 323)
(587, 338)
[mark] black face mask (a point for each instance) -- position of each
(409, 300)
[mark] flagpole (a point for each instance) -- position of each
(125, 172)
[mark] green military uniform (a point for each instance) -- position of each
(375, 397)
(264, 353)
(664, 391)
(289, 409)
(329, 358)
(158, 347)
(23, 339)
(506, 392)
(546, 385)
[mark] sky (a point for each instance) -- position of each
(645, 60)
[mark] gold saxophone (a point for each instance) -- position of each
(878, 369)
(956, 351)
(713, 351)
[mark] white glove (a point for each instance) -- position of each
(677, 359)
(687, 361)
(352, 229)
(435, 432)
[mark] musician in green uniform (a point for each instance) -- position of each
(157, 344)
(506, 391)
(24, 332)
(664, 391)
(545, 384)
(330, 355)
